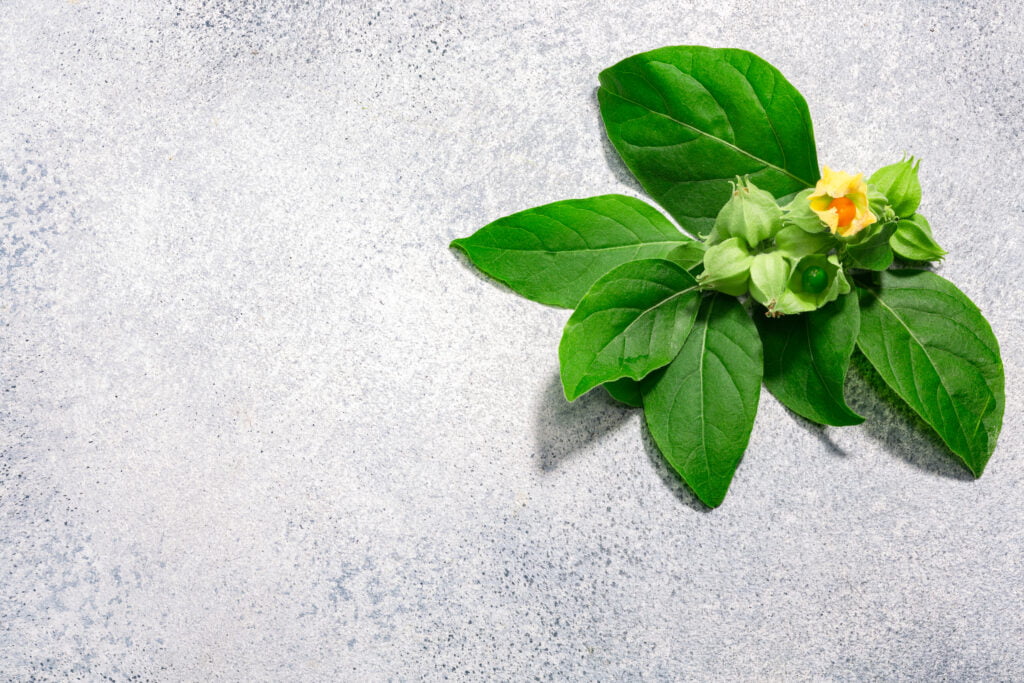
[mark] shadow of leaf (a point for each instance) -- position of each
(890, 421)
(819, 432)
(563, 429)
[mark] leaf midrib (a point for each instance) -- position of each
(634, 245)
(703, 394)
(742, 151)
(626, 329)
(839, 404)
(927, 355)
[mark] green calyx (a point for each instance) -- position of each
(815, 280)
(750, 214)
(796, 242)
(769, 277)
(913, 240)
(784, 258)
(879, 205)
(899, 184)
(727, 267)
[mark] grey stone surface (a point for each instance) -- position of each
(259, 423)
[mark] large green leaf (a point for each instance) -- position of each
(632, 321)
(554, 253)
(701, 409)
(931, 344)
(806, 358)
(687, 120)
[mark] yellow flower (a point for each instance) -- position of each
(841, 201)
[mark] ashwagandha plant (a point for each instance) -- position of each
(785, 271)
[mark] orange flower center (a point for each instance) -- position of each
(845, 211)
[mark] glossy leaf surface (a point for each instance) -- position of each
(632, 321)
(701, 409)
(806, 357)
(554, 253)
(930, 343)
(687, 120)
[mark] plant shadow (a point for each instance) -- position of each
(820, 433)
(563, 429)
(891, 422)
(611, 155)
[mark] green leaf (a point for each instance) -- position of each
(931, 344)
(626, 391)
(701, 409)
(874, 253)
(690, 255)
(913, 240)
(632, 321)
(806, 358)
(554, 253)
(686, 120)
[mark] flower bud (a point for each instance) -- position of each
(727, 267)
(913, 240)
(879, 205)
(769, 275)
(750, 213)
(899, 183)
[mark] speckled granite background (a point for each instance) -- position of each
(259, 423)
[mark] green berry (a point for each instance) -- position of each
(814, 280)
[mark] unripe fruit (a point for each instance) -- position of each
(815, 280)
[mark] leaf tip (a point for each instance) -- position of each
(712, 501)
(570, 393)
(851, 419)
(976, 469)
